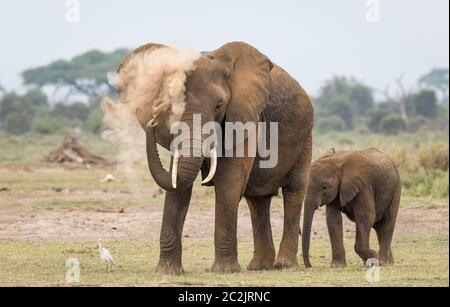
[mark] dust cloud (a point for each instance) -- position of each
(151, 85)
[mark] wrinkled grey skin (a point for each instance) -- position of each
(365, 186)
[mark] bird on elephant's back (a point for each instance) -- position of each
(234, 84)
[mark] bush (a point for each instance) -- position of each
(434, 157)
(36, 98)
(375, 116)
(415, 124)
(331, 123)
(75, 111)
(50, 125)
(94, 120)
(426, 184)
(16, 123)
(15, 114)
(425, 103)
(392, 124)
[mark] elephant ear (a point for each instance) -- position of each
(249, 81)
(354, 178)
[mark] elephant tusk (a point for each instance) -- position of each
(176, 158)
(212, 170)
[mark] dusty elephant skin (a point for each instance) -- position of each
(235, 83)
(365, 186)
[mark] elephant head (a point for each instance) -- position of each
(333, 177)
(163, 85)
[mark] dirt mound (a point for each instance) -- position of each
(71, 151)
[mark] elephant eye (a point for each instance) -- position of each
(219, 105)
(324, 187)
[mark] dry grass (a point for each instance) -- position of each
(52, 213)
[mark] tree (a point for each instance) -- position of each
(425, 104)
(36, 98)
(75, 111)
(343, 108)
(94, 121)
(345, 98)
(84, 74)
(16, 115)
(375, 115)
(49, 125)
(392, 124)
(437, 79)
(399, 99)
(362, 96)
(331, 123)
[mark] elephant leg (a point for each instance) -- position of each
(385, 231)
(176, 205)
(292, 200)
(287, 255)
(264, 250)
(229, 181)
(364, 210)
(293, 197)
(335, 231)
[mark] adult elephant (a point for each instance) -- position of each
(235, 83)
(365, 186)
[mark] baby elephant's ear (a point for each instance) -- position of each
(349, 189)
(353, 180)
(328, 153)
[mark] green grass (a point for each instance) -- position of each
(420, 261)
(32, 147)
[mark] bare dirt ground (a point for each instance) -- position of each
(117, 216)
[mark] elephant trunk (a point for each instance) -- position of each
(184, 169)
(310, 207)
(162, 177)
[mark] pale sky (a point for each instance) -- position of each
(312, 40)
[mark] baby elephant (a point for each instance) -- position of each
(363, 184)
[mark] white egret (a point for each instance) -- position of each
(105, 255)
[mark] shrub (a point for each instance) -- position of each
(94, 120)
(400, 155)
(414, 124)
(362, 128)
(50, 125)
(434, 157)
(15, 114)
(425, 103)
(375, 116)
(392, 124)
(331, 123)
(426, 184)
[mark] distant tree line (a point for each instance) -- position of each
(83, 76)
(32, 112)
(342, 103)
(346, 104)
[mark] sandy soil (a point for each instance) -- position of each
(19, 221)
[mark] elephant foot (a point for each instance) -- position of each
(169, 268)
(220, 266)
(338, 264)
(260, 263)
(283, 262)
(386, 262)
